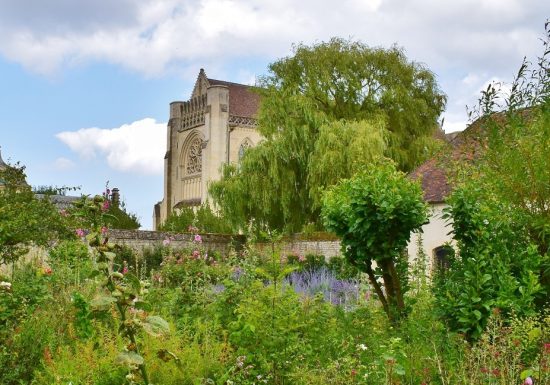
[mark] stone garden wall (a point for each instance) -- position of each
(139, 239)
(296, 245)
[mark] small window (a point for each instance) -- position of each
(442, 257)
(242, 149)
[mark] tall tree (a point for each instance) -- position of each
(335, 94)
(24, 219)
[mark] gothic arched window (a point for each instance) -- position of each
(243, 147)
(193, 157)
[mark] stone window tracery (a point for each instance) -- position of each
(243, 147)
(193, 159)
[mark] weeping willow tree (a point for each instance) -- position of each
(327, 111)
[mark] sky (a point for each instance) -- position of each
(85, 85)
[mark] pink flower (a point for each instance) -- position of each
(105, 206)
(196, 254)
(528, 381)
(104, 230)
(166, 242)
(301, 258)
(198, 238)
(80, 232)
(125, 268)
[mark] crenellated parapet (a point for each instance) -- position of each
(189, 114)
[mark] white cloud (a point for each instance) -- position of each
(150, 36)
(465, 42)
(137, 147)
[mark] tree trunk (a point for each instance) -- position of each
(393, 289)
(378, 290)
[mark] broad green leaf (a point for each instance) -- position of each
(156, 326)
(129, 358)
(133, 282)
(142, 305)
(110, 255)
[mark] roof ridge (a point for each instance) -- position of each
(227, 82)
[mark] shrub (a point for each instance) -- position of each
(496, 266)
(374, 213)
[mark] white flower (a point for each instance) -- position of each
(362, 346)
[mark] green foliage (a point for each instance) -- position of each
(53, 190)
(342, 150)
(24, 219)
(201, 219)
(122, 219)
(30, 324)
(501, 207)
(507, 353)
(374, 214)
(327, 111)
(232, 324)
(83, 316)
(122, 291)
(70, 260)
(496, 267)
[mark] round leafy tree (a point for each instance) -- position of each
(374, 214)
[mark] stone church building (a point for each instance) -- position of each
(210, 129)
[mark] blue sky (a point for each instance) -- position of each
(85, 85)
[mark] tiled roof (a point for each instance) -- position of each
(243, 101)
(463, 146)
(433, 180)
(62, 202)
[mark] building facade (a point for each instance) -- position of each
(212, 128)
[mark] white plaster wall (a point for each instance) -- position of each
(435, 234)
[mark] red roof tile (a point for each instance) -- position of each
(243, 100)
(433, 180)
(465, 146)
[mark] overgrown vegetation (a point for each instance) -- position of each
(24, 219)
(501, 207)
(202, 219)
(327, 111)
